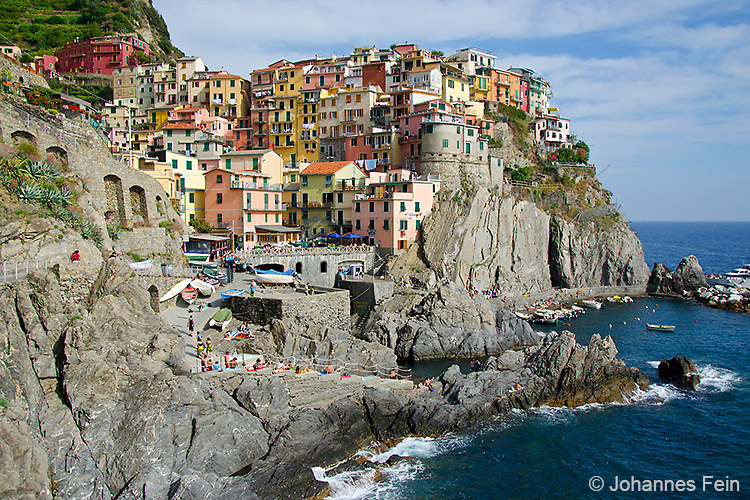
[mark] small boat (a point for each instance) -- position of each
(175, 290)
(213, 273)
(522, 315)
(660, 328)
(222, 318)
(189, 294)
(271, 276)
(204, 288)
(142, 265)
(228, 294)
(592, 304)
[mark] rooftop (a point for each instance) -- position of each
(324, 167)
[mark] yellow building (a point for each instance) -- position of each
(455, 88)
(480, 88)
(320, 185)
(229, 95)
(192, 185)
(163, 173)
(293, 122)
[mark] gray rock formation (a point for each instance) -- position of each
(685, 280)
(99, 404)
(681, 371)
(446, 323)
(587, 254)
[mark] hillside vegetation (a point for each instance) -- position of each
(43, 26)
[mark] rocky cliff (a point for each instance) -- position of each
(685, 280)
(97, 403)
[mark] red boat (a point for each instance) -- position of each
(189, 294)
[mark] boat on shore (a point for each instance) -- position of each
(660, 328)
(228, 294)
(592, 304)
(189, 294)
(175, 290)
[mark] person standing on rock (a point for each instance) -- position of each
(191, 325)
(209, 346)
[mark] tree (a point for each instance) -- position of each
(583, 152)
(201, 225)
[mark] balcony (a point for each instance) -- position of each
(410, 138)
(315, 204)
(217, 101)
(267, 208)
(254, 186)
(232, 101)
(346, 185)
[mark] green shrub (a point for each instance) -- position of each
(3, 402)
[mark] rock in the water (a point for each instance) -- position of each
(680, 370)
(686, 279)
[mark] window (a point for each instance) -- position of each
(458, 130)
(468, 148)
(348, 99)
(249, 217)
(219, 198)
(255, 164)
(470, 131)
(356, 207)
(304, 180)
(371, 225)
(174, 163)
(445, 143)
(189, 165)
(357, 224)
(403, 206)
(191, 197)
(385, 224)
(372, 206)
(340, 197)
(324, 267)
(329, 180)
(277, 217)
(192, 216)
(219, 219)
(386, 207)
(228, 163)
(218, 179)
(417, 205)
(451, 84)
(404, 225)
(169, 133)
(294, 178)
(187, 133)
(359, 98)
(248, 200)
(205, 146)
(481, 146)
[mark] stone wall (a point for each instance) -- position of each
(450, 168)
(329, 309)
(20, 73)
(113, 193)
(156, 286)
(364, 294)
(76, 282)
(312, 264)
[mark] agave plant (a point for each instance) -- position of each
(30, 192)
(42, 170)
(15, 168)
(66, 195)
(51, 196)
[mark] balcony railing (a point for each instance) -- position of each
(254, 186)
(231, 101)
(315, 204)
(347, 185)
(217, 101)
(267, 208)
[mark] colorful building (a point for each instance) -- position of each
(391, 210)
(230, 95)
(237, 202)
(324, 188)
(551, 132)
(100, 55)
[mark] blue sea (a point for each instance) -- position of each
(679, 444)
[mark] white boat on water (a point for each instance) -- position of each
(660, 328)
(592, 304)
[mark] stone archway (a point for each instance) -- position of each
(298, 268)
(324, 267)
(114, 212)
(154, 300)
(59, 154)
(138, 207)
(20, 136)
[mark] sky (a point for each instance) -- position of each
(659, 89)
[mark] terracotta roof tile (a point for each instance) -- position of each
(324, 167)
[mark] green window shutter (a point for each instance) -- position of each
(219, 198)
(248, 199)
(445, 143)
(277, 217)
(182, 184)
(218, 179)
(174, 163)
(228, 163)
(191, 197)
(255, 164)
(189, 164)
(249, 215)
(417, 206)
(169, 133)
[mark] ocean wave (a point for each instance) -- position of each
(656, 394)
(713, 378)
(383, 482)
(716, 379)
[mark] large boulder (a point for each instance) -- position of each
(446, 323)
(687, 279)
(681, 371)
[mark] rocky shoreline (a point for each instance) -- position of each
(101, 404)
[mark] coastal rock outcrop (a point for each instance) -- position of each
(685, 280)
(681, 371)
(445, 323)
(584, 254)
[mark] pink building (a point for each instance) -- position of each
(99, 55)
(237, 203)
(46, 65)
(391, 211)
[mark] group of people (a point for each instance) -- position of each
(427, 384)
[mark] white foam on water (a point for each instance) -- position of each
(716, 379)
(657, 395)
(653, 364)
(423, 447)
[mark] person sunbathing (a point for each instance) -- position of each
(232, 363)
(258, 365)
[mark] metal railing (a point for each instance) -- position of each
(19, 270)
(293, 250)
